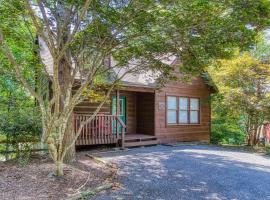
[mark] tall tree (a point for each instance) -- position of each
(81, 35)
(19, 116)
(244, 85)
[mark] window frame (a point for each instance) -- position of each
(188, 110)
(175, 110)
(198, 110)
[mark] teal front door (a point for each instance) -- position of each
(122, 111)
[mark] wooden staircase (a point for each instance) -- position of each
(137, 140)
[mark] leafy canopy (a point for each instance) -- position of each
(19, 116)
(243, 102)
(81, 35)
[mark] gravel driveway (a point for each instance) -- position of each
(189, 172)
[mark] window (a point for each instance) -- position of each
(194, 111)
(171, 110)
(183, 110)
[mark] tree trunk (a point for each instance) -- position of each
(68, 139)
(58, 168)
(249, 141)
(70, 153)
(251, 138)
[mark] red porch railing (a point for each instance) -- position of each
(102, 129)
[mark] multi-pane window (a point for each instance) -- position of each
(183, 110)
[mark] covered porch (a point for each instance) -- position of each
(128, 120)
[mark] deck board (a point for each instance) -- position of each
(129, 136)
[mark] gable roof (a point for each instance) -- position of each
(209, 81)
(145, 79)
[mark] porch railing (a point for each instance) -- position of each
(102, 129)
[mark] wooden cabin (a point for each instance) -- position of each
(142, 114)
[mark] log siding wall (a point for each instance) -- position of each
(144, 119)
(145, 113)
(186, 132)
(131, 113)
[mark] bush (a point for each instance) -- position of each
(226, 128)
(20, 125)
(227, 133)
(19, 130)
(267, 148)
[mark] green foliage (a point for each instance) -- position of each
(244, 82)
(19, 116)
(244, 101)
(213, 29)
(20, 126)
(20, 129)
(226, 128)
(198, 31)
(267, 148)
(19, 122)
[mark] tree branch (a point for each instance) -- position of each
(40, 31)
(18, 71)
(75, 29)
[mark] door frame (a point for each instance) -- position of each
(124, 108)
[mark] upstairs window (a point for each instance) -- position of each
(183, 110)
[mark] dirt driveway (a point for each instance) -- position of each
(189, 172)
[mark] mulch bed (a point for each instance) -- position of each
(36, 181)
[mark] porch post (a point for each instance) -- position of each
(117, 114)
(117, 103)
(123, 137)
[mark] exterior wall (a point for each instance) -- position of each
(131, 114)
(172, 133)
(145, 113)
(139, 119)
(87, 107)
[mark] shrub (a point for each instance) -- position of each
(19, 130)
(267, 148)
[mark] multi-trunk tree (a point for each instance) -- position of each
(81, 35)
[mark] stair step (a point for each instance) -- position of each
(140, 139)
(141, 143)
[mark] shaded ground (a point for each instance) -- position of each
(34, 181)
(189, 172)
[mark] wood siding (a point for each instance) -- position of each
(145, 113)
(87, 107)
(189, 132)
(131, 114)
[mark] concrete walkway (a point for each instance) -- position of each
(189, 172)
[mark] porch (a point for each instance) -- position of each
(128, 120)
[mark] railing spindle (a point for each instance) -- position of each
(103, 129)
(83, 139)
